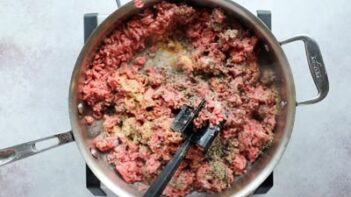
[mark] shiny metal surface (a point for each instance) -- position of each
(276, 61)
(316, 65)
(21, 151)
(118, 3)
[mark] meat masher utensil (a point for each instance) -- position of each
(203, 139)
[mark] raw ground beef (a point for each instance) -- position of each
(165, 57)
(138, 3)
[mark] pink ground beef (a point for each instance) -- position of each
(136, 96)
(214, 176)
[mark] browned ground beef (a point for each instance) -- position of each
(165, 57)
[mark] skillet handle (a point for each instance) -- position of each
(316, 65)
(21, 151)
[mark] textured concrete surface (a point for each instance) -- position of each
(40, 40)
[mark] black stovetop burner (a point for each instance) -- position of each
(93, 184)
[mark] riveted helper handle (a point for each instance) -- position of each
(21, 151)
(316, 65)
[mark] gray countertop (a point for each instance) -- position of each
(39, 43)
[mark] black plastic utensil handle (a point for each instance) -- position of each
(199, 107)
(167, 173)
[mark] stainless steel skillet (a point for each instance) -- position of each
(274, 58)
